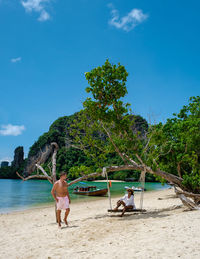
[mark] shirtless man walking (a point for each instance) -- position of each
(61, 196)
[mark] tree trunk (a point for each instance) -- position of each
(187, 202)
(55, 150)
(53, 173)
(179, 169)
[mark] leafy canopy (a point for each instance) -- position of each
(106, 125)
(175, 145)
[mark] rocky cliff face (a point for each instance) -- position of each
(39, 158)
(41, 150)
(58, 132)
(18, 157)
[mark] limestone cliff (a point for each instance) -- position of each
(18, 157)
(58, 132)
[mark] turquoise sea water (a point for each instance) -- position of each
(18, 195)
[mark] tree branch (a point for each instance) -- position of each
(43, 171)
(179, 169)
(113, 143)
(32, 177)
(55, 145)
(169, 177)
(189, 194)
(188, 203)
(84, 178)
(140, 159)
(130, 159)
(147, 144)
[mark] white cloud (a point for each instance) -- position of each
(44, 16)
(37, 6)
(128, 22)
(11, 130)
(15, 60)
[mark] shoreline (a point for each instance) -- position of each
(41, 197)
(50, 205)
(74, 201)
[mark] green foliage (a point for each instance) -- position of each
(120, 176)
(35, 148)
(107, 86)
(175, 145)
(106, 123)
(78, 171)
(70, 157)
(192, 181)
(7, 173)
(109, 128)
(58, 132)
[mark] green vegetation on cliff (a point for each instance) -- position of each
(69, 159)
(58, 132)
(17, 165)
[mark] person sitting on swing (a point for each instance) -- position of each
(127, 201)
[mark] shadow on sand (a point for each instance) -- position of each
(148, 214)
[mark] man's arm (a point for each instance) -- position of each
(53, 192)
(68, 195)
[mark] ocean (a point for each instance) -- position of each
(16, 195)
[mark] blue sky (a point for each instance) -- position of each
(47, 45)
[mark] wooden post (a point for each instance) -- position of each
(108, 188)
(142, 180)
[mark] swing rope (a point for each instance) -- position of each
(105, 174)
(142, 181)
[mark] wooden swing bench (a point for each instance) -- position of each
(128, 210)
(142, 180)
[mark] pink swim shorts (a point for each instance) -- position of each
(63, 203)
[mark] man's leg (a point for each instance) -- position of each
(66, 215)
(59, 217)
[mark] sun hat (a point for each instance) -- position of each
(130, 189)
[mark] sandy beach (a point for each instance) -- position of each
(166, 230)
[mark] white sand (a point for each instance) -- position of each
(165, 231)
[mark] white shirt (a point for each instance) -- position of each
(128, 201)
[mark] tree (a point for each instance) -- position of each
(176, 145)
(105, 126)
